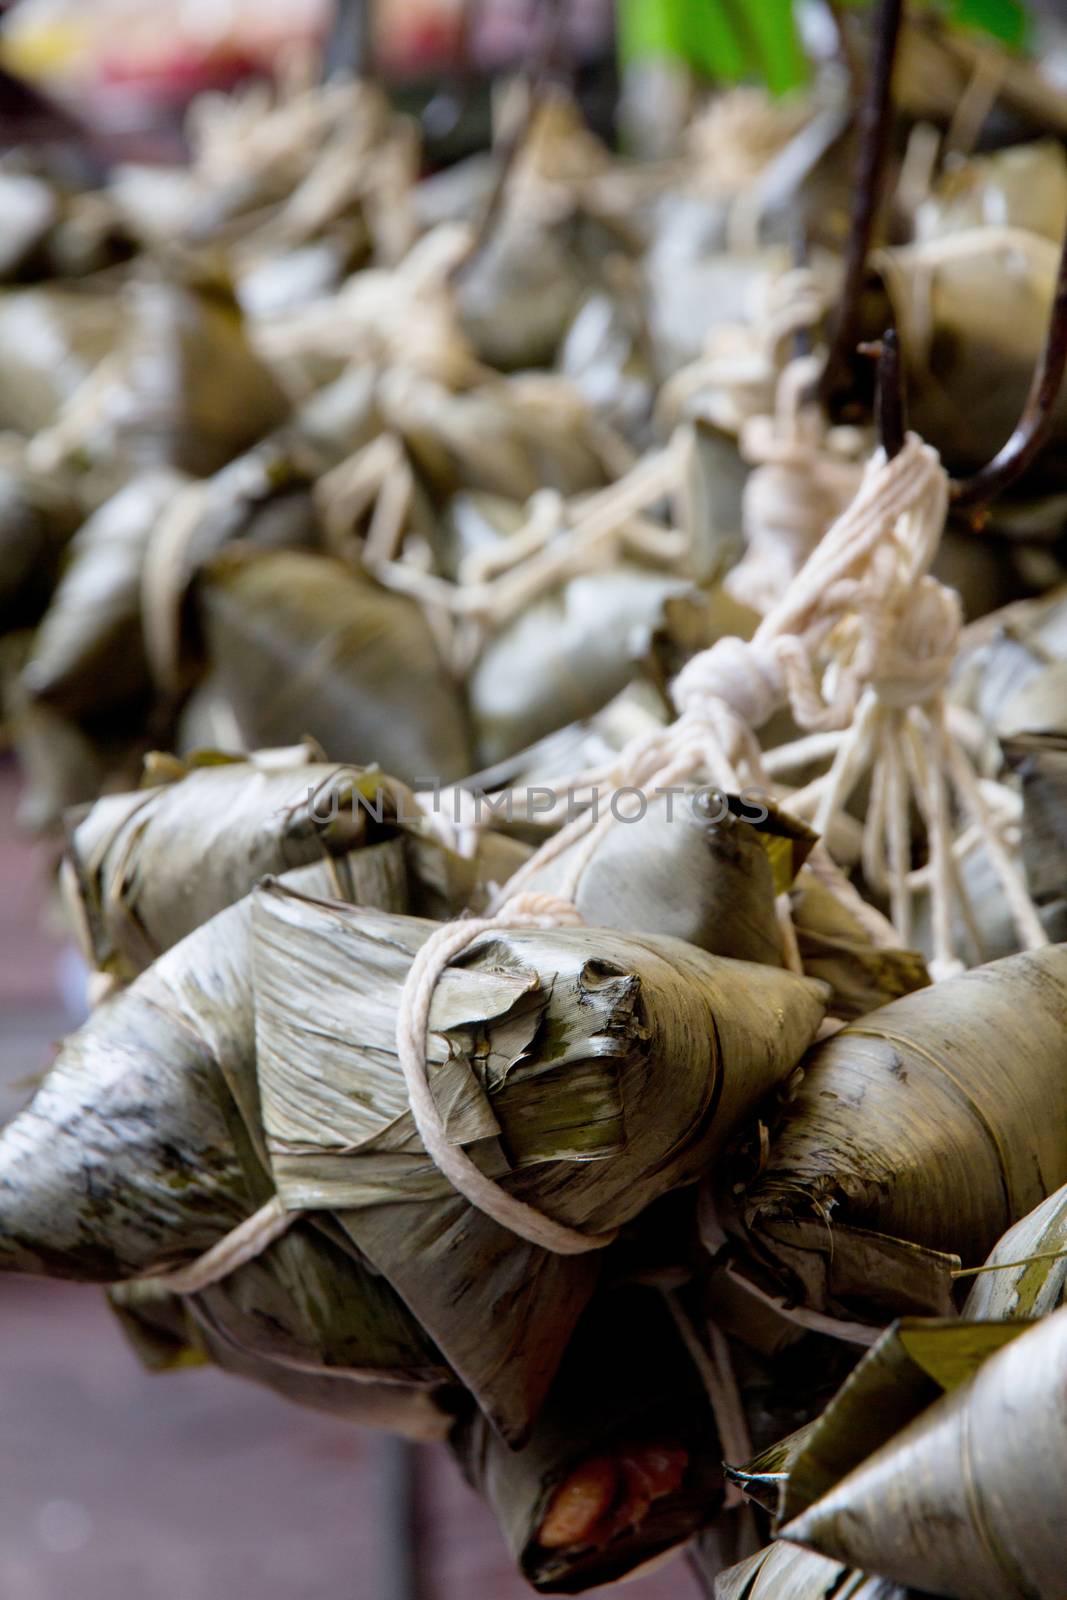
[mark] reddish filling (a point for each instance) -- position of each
(605, 1495)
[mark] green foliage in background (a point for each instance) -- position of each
(758, 40)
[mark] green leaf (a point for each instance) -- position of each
(728, 41)
(651, 30)
(1006, 20)
(780, 60)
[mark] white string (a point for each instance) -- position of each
(442, 947)
(241, 1245)
(799, 487)
(860, 641)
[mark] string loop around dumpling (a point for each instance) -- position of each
(447, 942)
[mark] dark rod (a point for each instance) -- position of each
(890, 405)
(875, 129)
(1035, 425)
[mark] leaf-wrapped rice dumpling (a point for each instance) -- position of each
(124, 1163)
(516, 297)
(182, 387)
(551, 1054)
(1040, 704)
(603, 354)
(263, 499)
(170, 1331)
(151, 865)
(967, 1501)
(516, 294)
(912, 1364)
(565, 656)
(929, 1126)
(973, 314)
(1040, 759)
(89, 652)
(170, 1115)
(52, 339)
(303, 646)
(511, 436)
(622, 1463)
(694, 864)
(143, 1147)
(1004, 657)
(598, 637)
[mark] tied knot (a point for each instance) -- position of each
(914, 664)
(798, 488)
(741, 675)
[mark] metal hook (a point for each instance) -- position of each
(890, 399)
(875, 129)
(1036, 423)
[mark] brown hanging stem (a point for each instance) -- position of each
(875, 129)
(890, 400)
(1035, 425)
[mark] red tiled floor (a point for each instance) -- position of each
(191, 1486)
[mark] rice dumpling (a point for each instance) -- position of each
(89, 651)
(967, 1500)
(932, 1123)
(131, 855)
(622, 1463)
(549, 1055)
(303, 646)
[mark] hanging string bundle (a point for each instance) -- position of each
(800, 485)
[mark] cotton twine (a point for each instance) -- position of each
(860, 645)
(560, 538)
(799, 486)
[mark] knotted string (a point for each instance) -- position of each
(560, 539)
(798, 488)
(735, 378)
(862, 635)
(860, 581)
